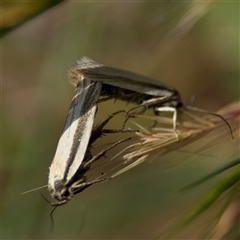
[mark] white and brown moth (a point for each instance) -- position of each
(73, 156)
(64, 174)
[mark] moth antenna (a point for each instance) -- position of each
(46, 199)
(52, 219)
(51, 213)
(32, 190)
(211, 113)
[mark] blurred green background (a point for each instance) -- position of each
(176, 43)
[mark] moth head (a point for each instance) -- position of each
(61, 192)
(174, 101)
(74, 76)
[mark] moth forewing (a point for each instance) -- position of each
(73, 143)
(123, 79)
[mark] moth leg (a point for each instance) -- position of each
(128, 115)
(106, 131)
(98, 131)
(109, 118)
(174, 118)
(79, 186)
(104, 99)
(155, 101)
(82, 186)
(104, 151)
(145, 104)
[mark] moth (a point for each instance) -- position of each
(73, 156)
(133, 87)
(73, 143)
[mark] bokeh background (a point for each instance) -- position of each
(191, 46)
